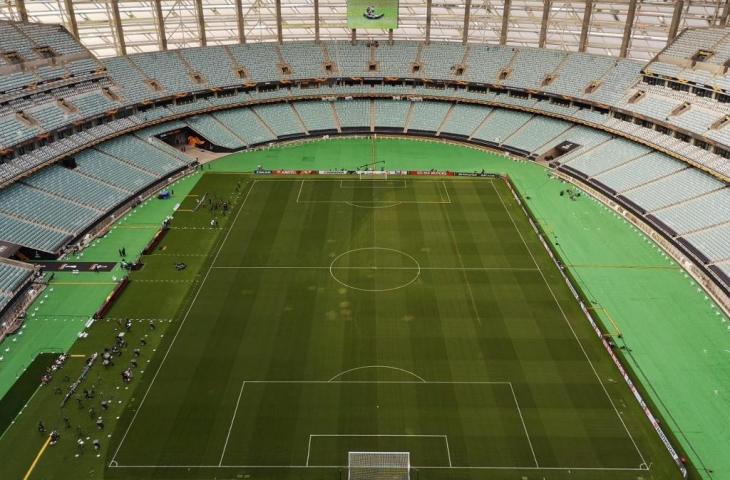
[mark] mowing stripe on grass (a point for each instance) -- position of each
(185, 317)
(565, 317)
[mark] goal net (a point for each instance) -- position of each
(379, 465)
(373, 174)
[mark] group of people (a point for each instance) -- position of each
(57, 364)
(96, 405)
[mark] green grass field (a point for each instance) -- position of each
(326, 315)
(335, 315)
(388, 8)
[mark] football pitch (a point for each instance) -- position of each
(334, 315)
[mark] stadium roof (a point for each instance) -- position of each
(114, 27)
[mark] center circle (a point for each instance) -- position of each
(375, 269)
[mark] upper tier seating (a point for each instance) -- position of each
(148, 76)
(306, 59)
(679, 61)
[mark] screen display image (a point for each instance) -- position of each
(375, 14)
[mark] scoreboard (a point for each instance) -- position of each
(372, 14)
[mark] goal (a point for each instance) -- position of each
(378, 465)
(372, 174)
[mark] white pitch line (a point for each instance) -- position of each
(524, 426)
(448, 450)
(315, 267)
(565, 317)
(300, 191)
(182, 323)
(309, 448)
(448, 196)
(230, 427)
(456, 467)
(409, 202)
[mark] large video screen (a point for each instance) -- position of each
(364, 14)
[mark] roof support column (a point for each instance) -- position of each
(543, 25)
(583, 43)
(628, 28)
(467, 14)
(161, 36)
(316, 21)
(22, 12)
(118, 30)
(239, 22)
(505, 22)
(676, 19)
(725, 13)
(201, 22)
(71, 18)
(428, 21)
(279, 34)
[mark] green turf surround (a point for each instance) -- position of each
(246, 324)
(60, 313)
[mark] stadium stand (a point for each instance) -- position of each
(463, 120)
(13, 277)
(317, 116)
(355, 113)
(214, 131)
(391, 114)
(280, 119)
(246, 125)
(70, 113)
(427, 116)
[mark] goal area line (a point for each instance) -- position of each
(444, 198)
(445, 438)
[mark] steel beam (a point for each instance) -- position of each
(725, 14)
(239, 22)
(161, 36)
(428, 21)
(316, 21)
(279, 30)
(22, 12)
(505, 22)
(583, 43)
(71, 18)
(628, 29)
(118, 30)
(201, 22)
(467, 14)
(544, 24)
(676, 19)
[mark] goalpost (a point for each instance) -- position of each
(378, 465)
(373, 175)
